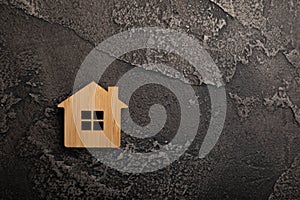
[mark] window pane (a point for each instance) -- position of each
(85, 125)
(98, 115)
(85, 114)
(98, 126)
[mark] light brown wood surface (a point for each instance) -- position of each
(93, 98)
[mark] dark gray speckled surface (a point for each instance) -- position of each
(254, 43)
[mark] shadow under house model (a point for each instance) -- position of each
(92, 117)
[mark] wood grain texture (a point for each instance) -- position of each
(93, 98)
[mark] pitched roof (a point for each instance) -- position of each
(95, 86)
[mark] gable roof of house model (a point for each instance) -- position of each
(92, 88)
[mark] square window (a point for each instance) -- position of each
(98, 115)
(98, 126)
(85, 114)
(85, 126)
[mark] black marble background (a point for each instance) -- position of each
(255, 44)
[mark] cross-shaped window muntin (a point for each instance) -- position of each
(92, 120)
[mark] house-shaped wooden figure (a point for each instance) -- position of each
(92, 117)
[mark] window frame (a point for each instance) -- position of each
(92, 119)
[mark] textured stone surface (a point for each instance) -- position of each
(254, 43)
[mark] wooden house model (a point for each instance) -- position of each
(92, 117)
